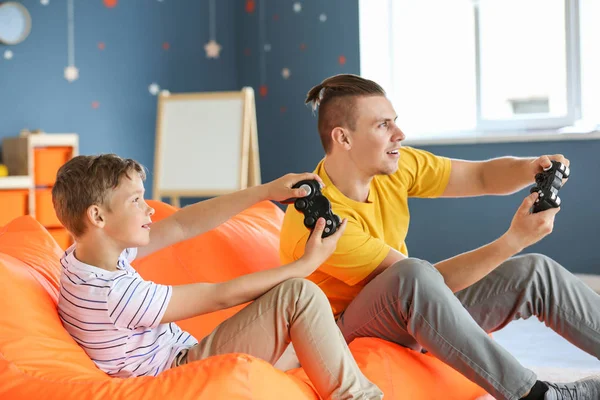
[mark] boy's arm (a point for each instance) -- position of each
(201, 217)
(188, 301)
(200, 298)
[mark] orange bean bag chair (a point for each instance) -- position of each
(39, 360)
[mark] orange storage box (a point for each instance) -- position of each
(47, 161)
(13, 204)
(44, 210)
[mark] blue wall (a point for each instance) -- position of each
(311, 50)
(439, 228)
(33, 93)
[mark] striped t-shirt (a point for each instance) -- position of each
(115, 317)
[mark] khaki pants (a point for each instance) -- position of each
(297, 311)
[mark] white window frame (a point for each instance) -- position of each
(376, 26)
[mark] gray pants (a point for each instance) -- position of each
(410, 304)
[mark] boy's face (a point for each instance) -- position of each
(376, 139)
(128, 221)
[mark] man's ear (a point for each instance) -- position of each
(96, 216)
(342, 137)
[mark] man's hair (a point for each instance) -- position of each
(336, 99)
(87, 180)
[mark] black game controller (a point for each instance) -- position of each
(313, 206)
(548, 183)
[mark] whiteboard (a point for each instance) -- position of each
(203, 143)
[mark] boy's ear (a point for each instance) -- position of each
(95, 216)
(341, 137)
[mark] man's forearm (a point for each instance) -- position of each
(465, 269)
(206, 215)
(507, 175)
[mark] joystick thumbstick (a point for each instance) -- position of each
(307, 189)
(300, 204)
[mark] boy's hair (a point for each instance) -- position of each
(87, 180)
(336, 99)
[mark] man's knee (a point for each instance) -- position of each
(403, 275)
(532, 265)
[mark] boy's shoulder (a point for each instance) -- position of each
(70, 265)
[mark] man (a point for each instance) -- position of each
(447, 308)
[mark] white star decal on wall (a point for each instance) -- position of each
(297, 7)
(212, 49)
(285, 73)
(8, 54)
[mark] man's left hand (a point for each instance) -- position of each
(542, 163)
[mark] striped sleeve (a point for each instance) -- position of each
(134, 302)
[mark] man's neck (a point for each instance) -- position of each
(352, 182)
(97, 252)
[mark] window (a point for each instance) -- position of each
(466, 66)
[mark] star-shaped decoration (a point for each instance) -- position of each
(154, 89)
(212, 49)
(323, 17)
(8, 55)
(71, 73)
(285, 73)
(297, 7)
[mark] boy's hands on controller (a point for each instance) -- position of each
(317, 249)
(543, 163)
(526, 228)
(281, 189)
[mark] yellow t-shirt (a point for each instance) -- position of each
(373, 227)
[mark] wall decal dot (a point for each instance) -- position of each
(247, 52)
(166, 46)
(297, 7)
(322, 17)
(275, 17)
(250, 6)
(154, 89)
(95, 104)
(8, 55)
(110, 3)
(267, 47)
(45, 2)
(302, 46)
(101, 45)
(285, 73)
(282, 109)
(264, 90)
(342, 60)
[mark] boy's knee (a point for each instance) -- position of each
(300, 289)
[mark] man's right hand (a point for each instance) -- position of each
(527, 228)
(317, 249)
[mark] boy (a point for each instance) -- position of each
(126, 324)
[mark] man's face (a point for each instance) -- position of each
(376, 139)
